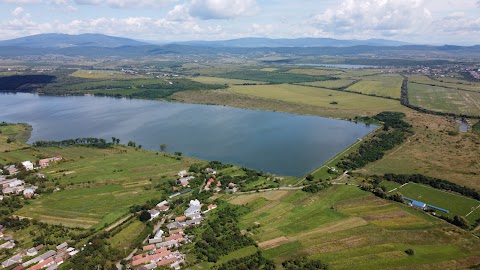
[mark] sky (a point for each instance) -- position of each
(415, 21)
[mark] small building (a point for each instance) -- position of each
(163, 208)
(210, 170)
(177, 231)
(62, 246)
(148, 247)
(28, 165)
(44, 162)
(194, 208)
(182, 173)
(180, 218)
(153, 213)
(32, 252)
(12, 260)
(169, 261)
(28, 193)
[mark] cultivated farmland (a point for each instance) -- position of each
(346, 227)
(444, 99)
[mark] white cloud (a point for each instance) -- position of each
(125, 3)
(18, 2)
(222, 9)
(384, 17)
(18, 11)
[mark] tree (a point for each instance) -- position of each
(163, 147)
(118, 141)
(114, 140)
(460, 221)
(410, 252)
(145, 216)
(310, 177)
(178, 154)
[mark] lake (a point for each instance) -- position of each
(280, 143)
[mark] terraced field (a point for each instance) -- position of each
(349, 228)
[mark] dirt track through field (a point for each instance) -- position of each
(273, 243)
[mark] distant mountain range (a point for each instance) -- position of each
(98, 45)
(99, 40)
(296, 42)
(65, 41)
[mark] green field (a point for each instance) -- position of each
(319, 97)
(331, 84)
(444, 99)
(346, 227)
(101, 74)
(269, 76)
(384, 85)
(456, 204)
(216, 80)
(97, 185)
(314, 71)
(446, 82)
(127, 235)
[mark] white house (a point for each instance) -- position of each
(28, 165)
(194, 209)
(182, 173)
(154, 213)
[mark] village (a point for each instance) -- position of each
(162, 248)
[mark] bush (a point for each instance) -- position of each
(410, 252)
(145, 216)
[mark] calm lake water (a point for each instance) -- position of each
(280, 143)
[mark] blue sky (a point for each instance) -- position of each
(416, 21)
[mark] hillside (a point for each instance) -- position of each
(64, 41)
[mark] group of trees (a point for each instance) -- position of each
(253, 262)
(304, 264)
(314, 188)
(221, 236)
(91, 142)
(24, 83)
(395, 131)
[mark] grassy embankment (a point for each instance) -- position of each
(346, 227)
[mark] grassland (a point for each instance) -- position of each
(102, 74)
(124, 239)
(384, 85)
(217, 80)
(17, 134)
(319, 97)
(332, 84)
(455, 204)
(434, 152)
(271, 77)
(314, 71)
(444, 99)
(97, 185)
(348, 228)
(446, 82)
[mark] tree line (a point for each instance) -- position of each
(92, 142)
(395, 131)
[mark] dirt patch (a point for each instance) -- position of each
(387, 215)
(273, 243)
(69, 172)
